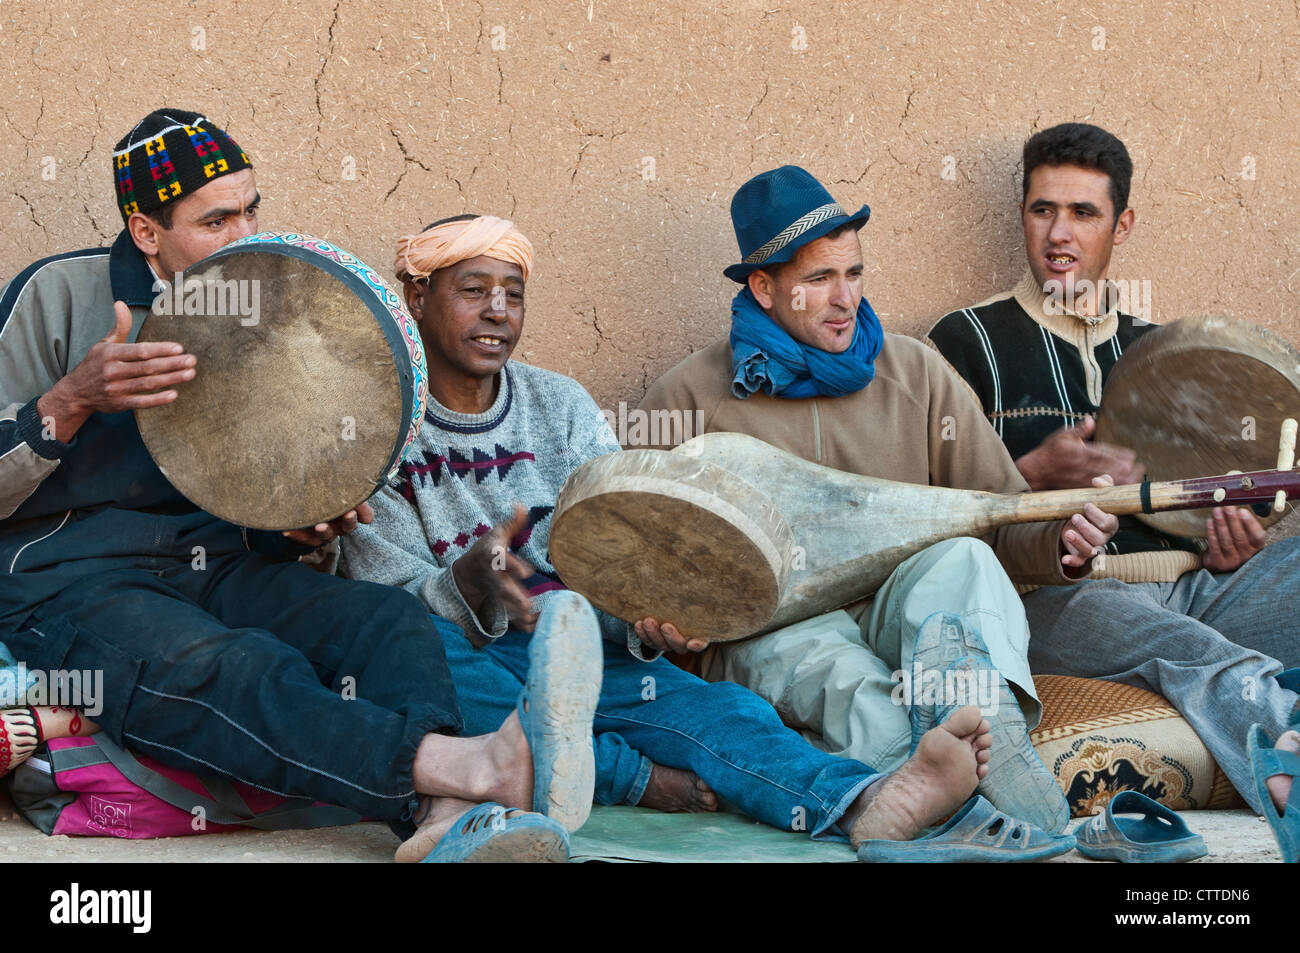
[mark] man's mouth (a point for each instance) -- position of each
(1059, 261)
(489, 341)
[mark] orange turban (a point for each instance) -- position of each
(419, 256)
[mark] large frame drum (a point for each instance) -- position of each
(1201, 395)
(298, 412)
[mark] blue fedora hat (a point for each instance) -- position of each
(776, 213)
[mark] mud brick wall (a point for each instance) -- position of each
(616, 133)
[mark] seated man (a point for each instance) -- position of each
(809, 369)
(1205, 634)
(235, 665)
(501, 437)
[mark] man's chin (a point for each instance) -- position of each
(837, 343)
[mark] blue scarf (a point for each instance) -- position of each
(765, 357)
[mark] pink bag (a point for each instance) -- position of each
(90, 787)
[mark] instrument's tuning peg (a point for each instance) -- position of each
(1285, 458)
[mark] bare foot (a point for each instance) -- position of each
(64, 723)
(496, 767)
(939, 777)
(441, 813)
(673, 790)
(1279, 786)
(512, 765)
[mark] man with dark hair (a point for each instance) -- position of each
(236, 665)
(1084, 146)
(808, 367)
(1200, 628)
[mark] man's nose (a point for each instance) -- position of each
(1060, 232)
(247, 225)
(842, 294)
(495, 309)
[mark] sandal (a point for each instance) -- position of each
(557, 706)
(493, 834)
(978, 832)
(1159, 837)
(1017, 781)
(1266, 762)
(20, 733)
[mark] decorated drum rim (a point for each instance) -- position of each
(380, 299)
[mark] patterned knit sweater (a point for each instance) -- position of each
(463, 476)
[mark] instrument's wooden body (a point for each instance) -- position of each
(298, 412)
(1200, 395)
(727, 536)
(849, 532)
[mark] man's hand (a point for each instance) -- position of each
(1085, 535)
(488, 568)
(1233, 535)
(1068, 459)
(115, 376)
(666, 638)
(322, 533)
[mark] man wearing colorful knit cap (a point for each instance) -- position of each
(808, 368)
(231, 662)
(465, 527)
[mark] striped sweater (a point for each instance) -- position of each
(1034, 372)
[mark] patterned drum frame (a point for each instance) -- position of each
(292, 418)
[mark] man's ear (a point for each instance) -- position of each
(1124, 227)
(144, 232)
(414, 292)
(762, 287)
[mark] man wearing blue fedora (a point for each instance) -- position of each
(808, 368)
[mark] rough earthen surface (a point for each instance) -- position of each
(615, 134)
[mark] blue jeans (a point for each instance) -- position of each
(727, 735)
(265, 672)
(1212, 644)
(488, 683)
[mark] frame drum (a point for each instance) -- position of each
(1201, 396)
(310, 382)
(652, 534)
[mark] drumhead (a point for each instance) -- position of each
(1200, 397)
(653, 534)
(298, 412)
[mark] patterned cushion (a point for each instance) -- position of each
(1100, 738)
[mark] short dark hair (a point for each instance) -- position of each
(162, 217)
(467, 217)
(1081, 144)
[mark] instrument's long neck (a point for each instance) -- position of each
(1240, 489)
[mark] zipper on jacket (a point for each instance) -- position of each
(817, 432)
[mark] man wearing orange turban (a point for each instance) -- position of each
(501, 437)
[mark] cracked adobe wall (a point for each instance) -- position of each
(615, 135)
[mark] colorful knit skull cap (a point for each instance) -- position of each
(169, 154)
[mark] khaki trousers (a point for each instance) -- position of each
(834, 678)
